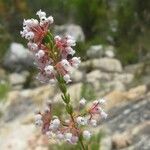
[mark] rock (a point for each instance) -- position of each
(135, 68)
(128, 124)
(137, 92)
(108, 64)
(76, 76)
(98, 51)
(16, 136)
(116, 97)
(104, 64)
(98, 75)
(125, 78)
(95, 51)
(128, 114)
(21, 103)
(70, 29)
(121, 140)
(17, 57)
(16, 79)
(140, 136)
(109, 52)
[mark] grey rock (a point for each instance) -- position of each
(109, 51)
(128, 118)
(76, 75)
(125, 78)
(98, 51)
(18, 78)
(70, 29)
(104, 64)
(17, 57)
(95, 51)
(98, 75)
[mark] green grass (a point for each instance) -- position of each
(4, 88)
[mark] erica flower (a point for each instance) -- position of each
(55, 60)
(51, 59)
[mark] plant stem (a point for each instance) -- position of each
(82, 145)
(69, 108)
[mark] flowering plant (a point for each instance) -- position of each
(54, 58)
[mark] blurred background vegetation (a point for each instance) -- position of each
(121, 23)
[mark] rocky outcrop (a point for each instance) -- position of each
(16, 58)
(70, 29)
(128, 124)
(98, 51)
(104, 64)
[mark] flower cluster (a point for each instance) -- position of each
(71, 129)
(53, 55)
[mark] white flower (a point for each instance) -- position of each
(74, 140)
(49, 134)
(40, 54)
(29, 36)
(70, 51)
(49, 69)
(81, 120)
(57, 38)
(86, 134)
(82, 102)
(30, 23)
(67, 78)
(32, 46)
(38, 123)
(43, 20)
(95, 102)
(102, 101)
(24, 32)
(38, 117)
(103, 114)
(40, 13)
(60, 136)
(56, 122)
(66, 65)
(70, 41)
(68, 136)
(75, 61)
(93, 122)
(50, 19)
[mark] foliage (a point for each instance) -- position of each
(122, 23)
(4, 88)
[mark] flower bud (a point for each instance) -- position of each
(49, 69)
(103, 114)
(81, 120)
(86, 134)
(93, 122)
(40, 54)
(102, 101)
(82, 102)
